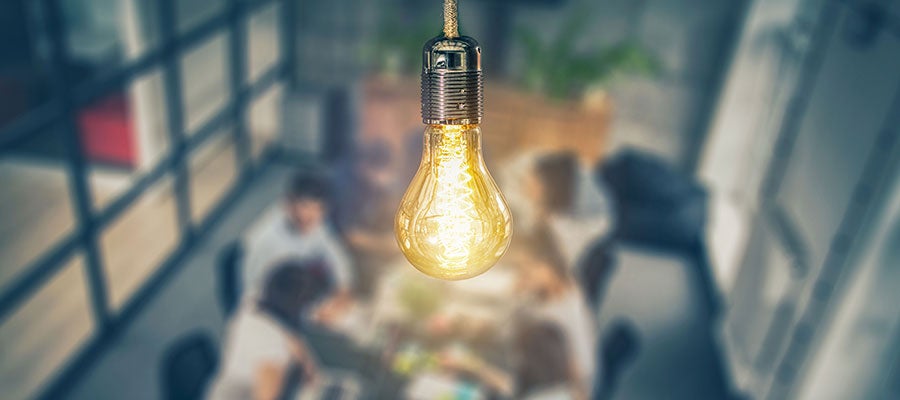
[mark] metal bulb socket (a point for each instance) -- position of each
(452, 85)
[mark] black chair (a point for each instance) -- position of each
(661, 208)
(228, 275)
(187, 367)
(595, 270)
(620, 346)
(656, 205)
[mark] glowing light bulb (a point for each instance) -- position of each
(453, 222)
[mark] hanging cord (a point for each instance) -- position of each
(451, 19)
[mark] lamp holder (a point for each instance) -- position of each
(452, 84)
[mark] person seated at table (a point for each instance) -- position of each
(368, 192)
(261, 342)
(542, 370)
(300, 230)
(549, 293)
(568, 203)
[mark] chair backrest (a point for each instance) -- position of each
(595, 270)
(187, 366)
(228, 275)
(620, 346)
(656, 204)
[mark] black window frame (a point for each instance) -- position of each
(61, 111)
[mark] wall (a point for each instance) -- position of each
(802, 153)
(860, 349)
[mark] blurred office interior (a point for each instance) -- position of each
(749, 249)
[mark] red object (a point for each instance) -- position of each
(106, 132)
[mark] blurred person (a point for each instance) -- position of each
(549, 293)
(411, 146)
(568, 202)
(516, 181)
(368, 192)
(300, 230)
(542, 370)
(262, 343)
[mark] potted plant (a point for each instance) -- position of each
(567, 107)
(557, 69)
(563, 106)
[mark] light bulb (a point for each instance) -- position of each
(453, 222)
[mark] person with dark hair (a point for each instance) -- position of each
(300, 230)
(262, 341)
(549, 293)
(365, 180)
(547, 370)
(543, 370)
(368, 191)
(568, 203)
(556, 173)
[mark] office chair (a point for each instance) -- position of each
(620, 346)
(228, 275)
(595, 270)
(187, 367)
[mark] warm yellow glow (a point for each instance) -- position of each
(453, 222)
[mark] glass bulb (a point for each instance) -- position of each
(453, 222)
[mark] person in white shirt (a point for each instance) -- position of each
(261, 342)
(550, 294)
(300, 230)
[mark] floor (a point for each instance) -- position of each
(662, 296)
(34, 194)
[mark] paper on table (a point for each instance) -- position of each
(332, 384)
(432, 386)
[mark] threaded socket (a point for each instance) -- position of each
(452, 84)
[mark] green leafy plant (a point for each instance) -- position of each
(558, 69)
(401, 33)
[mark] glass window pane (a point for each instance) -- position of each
(36, 202)
(100, 35)
(263, 49)
(834, 143)
(190, 13)
(265, 119)
(40, 336)
(140, 26)
(23, 75)
(134, 245)
(124, 135)
(205, 86)
(213, 172)
(103, 34)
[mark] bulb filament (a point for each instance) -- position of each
(454, 216)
